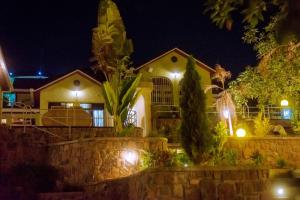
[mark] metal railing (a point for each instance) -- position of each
(271, 112)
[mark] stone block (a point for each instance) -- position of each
(226, 191)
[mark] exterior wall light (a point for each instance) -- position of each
(175, 75)
(240, 132)
(130, 156)
(284, 102)
(76, 93)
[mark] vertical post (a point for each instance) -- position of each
(1, 104)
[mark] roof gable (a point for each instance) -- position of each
(67, 76)
(182, 53)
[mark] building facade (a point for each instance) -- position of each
(76, 98)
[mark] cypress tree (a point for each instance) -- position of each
(195, 135)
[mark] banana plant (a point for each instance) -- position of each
(120, 98)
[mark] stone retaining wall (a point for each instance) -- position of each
(88, 161)
(17, 147)
(61, 196)
(272, 149)
(191, 184)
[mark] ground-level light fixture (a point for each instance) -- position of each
(130, 156)
(240, 132)
(280, 192)
(284, 102)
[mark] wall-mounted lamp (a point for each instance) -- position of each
(284, 102)
(175, 75)
(130, 156)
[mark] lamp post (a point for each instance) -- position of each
(227, 116)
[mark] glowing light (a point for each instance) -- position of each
(175, 75)
(286, 113)
(226, 113)
(240, 132)
(76, 93)
(39, 73)
(130, 156)
(280, 191)
(186, 165)
(284, 102)
(10, 73)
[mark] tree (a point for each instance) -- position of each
(224, 102)
(109, 43)
(257, 13)
(272, 27)
(195, 135)
(119, 98)
(111, 50)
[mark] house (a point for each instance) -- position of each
(76, 99)
(5, 84)
(165, 73)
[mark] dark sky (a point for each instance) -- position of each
(55, 36)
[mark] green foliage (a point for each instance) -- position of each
(109, 43)
(257, 158)
(170, 158)
(195, 134)
(262, 125)
(121, 97)
(171, 132)
(231, 157)
(219, 138)
(281, 163)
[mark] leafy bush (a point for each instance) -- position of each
(262, 125)
(219, 139)
(257, 158)
(165, 159)
(231, 157)
(281, 163)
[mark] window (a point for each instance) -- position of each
(162, 93)
(96, 110)
(9, 99)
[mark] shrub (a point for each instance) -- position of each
(231, 157)
(262, 125)
(218, 140)
(257, 158)
(195, 134)
(165, 159)
(281, 163)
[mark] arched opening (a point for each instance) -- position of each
(162, 93)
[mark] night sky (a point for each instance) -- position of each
(55, 36)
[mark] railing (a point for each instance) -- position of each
(272, 112)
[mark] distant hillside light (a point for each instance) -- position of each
(240, 132)
(284, 102)
(40, 73)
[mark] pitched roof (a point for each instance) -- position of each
(4, 77)
(184, 54)
(77, 71)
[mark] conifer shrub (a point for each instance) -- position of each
(194, 130)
